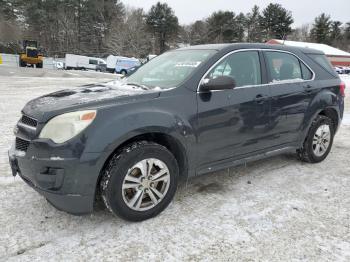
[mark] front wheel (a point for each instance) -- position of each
(319, 140)
(22, 63)
(139, 181)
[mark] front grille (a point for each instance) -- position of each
(28, 121)
(21, 144)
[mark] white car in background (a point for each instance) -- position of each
(339, 70)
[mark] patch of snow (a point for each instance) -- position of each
(7, 180)
(288, 211)
(346, 119)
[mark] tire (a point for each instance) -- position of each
(123, 72)
(22, 63)
(308, 153)
(39, 65)
(122, 164)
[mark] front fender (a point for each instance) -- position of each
(113, 126)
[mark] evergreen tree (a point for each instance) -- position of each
(347, 31)
(320, 33)
(222, 27)
(199, 33)
(336, 33)
(162, 21)
(240, 27)
(276, 22)
(253, 27)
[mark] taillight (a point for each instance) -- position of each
(342, 89)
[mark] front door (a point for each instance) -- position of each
(233, 122)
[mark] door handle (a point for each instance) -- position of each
(307, 88)
(260, 99)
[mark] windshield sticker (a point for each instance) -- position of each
(187, 64)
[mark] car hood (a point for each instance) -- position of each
(84, 97)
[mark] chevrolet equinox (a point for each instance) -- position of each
(185, 113)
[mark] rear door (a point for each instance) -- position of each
(233, 122)
(291, 92)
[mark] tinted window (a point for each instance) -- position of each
(92, 62)
(307, 74)
(322, 61)
(283, 66)
(244, 67)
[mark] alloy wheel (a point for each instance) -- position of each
(146, 184)
(321, 140)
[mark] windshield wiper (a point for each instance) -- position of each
(138, 85)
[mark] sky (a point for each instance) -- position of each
(304, 11)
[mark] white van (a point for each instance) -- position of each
(84, 63)
(111, 62)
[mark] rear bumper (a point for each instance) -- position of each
(68, 184)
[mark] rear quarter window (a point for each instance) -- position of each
(323, 61)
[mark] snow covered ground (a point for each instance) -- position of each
(274, 209)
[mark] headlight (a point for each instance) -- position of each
(66, 126)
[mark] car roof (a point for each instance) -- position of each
(235, 46)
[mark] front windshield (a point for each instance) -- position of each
(170, 69)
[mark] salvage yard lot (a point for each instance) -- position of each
(273, 209)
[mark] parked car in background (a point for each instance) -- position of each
(126, 65)
(185, 113)
(122, 65)
(342, 69)
(346, 70)
(80, 62)
(338, 70)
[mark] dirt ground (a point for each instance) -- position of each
(277, 209)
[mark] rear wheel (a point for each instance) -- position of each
(140, 181)
(319, 140)
(123, 72)
(39, 65)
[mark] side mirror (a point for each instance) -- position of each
(218, 83)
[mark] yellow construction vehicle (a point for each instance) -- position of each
(30, 55)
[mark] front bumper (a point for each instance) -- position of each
(67, 183)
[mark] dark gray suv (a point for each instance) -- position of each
(187, 112)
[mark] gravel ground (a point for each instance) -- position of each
(277, 209)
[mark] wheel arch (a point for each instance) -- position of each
(332, 114)
(329, 111)
(168, 141)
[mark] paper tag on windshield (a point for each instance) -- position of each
(188, 64)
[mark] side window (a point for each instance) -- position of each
(307, 74)
(322, 61)
(243, 66)
(92, 62)
(283, 66)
